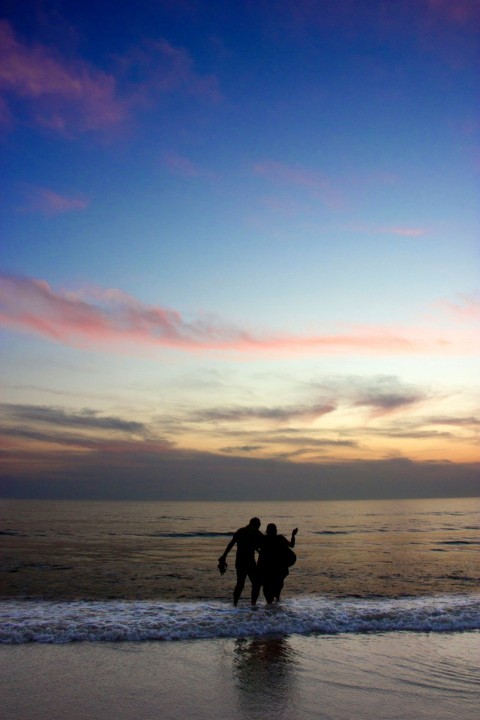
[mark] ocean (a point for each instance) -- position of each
(380, 613)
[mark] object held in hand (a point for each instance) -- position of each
(222, 565)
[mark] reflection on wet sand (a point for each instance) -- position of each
(264, 674)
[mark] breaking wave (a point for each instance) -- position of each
(23, 621)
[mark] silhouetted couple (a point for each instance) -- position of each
(275, 557)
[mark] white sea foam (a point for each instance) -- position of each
(64, 622)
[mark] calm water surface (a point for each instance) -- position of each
(157, 550)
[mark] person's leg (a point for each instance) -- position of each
(241, 577)
(279, 584)
(254, 577)
(255, 592)
(268, 589)
(278, 589)
(268, 593)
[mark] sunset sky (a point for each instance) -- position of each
(240, 248)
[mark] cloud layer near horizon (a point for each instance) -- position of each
(111, 319)
(52, 451)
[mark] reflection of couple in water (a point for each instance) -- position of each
(265, 675)
(275, 557)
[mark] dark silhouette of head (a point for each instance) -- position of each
(255, 522)
(271, 529)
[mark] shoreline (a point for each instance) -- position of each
(50, 622)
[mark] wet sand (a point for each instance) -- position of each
(386, 677)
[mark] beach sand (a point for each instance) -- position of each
(401, 676)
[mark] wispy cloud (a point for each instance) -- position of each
(454, 421)
(49, 202)
(377, 395)
(315, 182)
(404, 231)
(86, 418)
(45, 435)
(301, 188)
(460, 12)
(427, 427)
(337, 400)
(157, 67)
(73, 96)
(467, 308)
(183, 166)
(180, 165)
(411, 231)
(23, 447)
(292, 174)
(275, 414)
(113, 320)
(56, 93)
(382, 17)
(351, 417)
(445, 28)
(235, 449)
(385, 395)
(300, 446)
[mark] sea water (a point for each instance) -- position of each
(118, 610)
(148, 571)
(169, 551)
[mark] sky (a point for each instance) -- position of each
(240, 249)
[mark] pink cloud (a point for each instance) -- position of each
(292, 174)
(72, 96)
(169, 68)
(399, 230)
(467, 309)
(353, 16)
(48, 202)
(286, 206)
(56, 93)
(315, 182)
(180, 165)
(5, 116)
(404, 231)
(112, 320)
(460, 12)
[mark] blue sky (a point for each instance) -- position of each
(243, 238)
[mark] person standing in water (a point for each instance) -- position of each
(248, 540)
(276, 556)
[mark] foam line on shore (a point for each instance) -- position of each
(24, 621)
